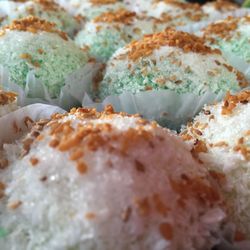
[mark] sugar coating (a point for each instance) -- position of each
(47, 55)
(220, 136)
(166, 67)
(44, 9)
(231, 36)
(105, 181)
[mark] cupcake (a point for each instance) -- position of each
(8, 102)
(220, 138)
(170, 60)
(43, 57)
(90, 9)
(110, 31)
(231, 36)
(44, 9)
(89, 180)
(176, 12)
(219, 7)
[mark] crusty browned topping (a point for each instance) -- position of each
(89, 137)
(195, 187)
(231, 101)
(169, 37)
(119, 16)
(90, 215)
(14, 205)
(182, 5)
(34, 161)
(221, 28)
(7, 97)
(166, 231)
(34, 25)
(2, 189)
(48, 5)
(223, 5)
(102, 2)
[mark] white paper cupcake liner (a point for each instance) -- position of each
(238, 63)
(76, 84)
(14, 124)
(165, 106)
(195, 28)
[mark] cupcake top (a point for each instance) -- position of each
(112, 30)
(109, 176)
(220, 137)
(171, 60)
(219, 7)
(180, 13)
(44, 9)
(8, 102)
(231, 36)
(92, 8)
(42, 51)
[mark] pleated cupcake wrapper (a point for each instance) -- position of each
(75, 86)
(165, 106)
(238, 63)
(14, 124)
(196, 27)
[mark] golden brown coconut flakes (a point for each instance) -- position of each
(222, 5)
(7, 97)
(33, 25)
(169, 37)
(102, 2)
(119, 16)
(231, 101)
(90, 137)
(222, 29)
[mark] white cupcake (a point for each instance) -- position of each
(220, 138)
(89, 180)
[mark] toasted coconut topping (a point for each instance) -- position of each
(102, 2)
(89, 137)
(231, 101)
(119, 16)
(34, 25)
(224, 4)
(182, 5)
(7, 97)
(169, 37)
(221, 28)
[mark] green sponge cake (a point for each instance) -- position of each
(44, 9)
(231, 36)
(113, 30)
(220, 138)
(41, 50)
(172, 60)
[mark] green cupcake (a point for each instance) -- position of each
(44, 9)
(171, 60)
(231, 36)
(31, 46)
(113, 30)
(90, 9)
